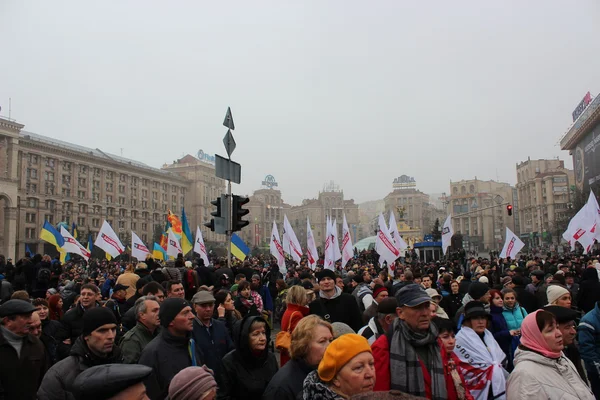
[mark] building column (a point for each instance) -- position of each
(12, 159)
(10, 232)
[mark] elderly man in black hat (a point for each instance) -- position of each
(334, 306)
(112, 382)
(22, 355)
(173, 349)
(117, 301)
(95, 346)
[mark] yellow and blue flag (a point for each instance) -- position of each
(28, 250)
(239, 248)
(158, 253)
(187, 241)
(90, 244)
(74, 231)
(51, 235)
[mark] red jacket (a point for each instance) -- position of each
(292, 315)
(381, 354)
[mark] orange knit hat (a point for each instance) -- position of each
(339, 352)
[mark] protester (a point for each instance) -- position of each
(211, 335)
(347, 368)
(225, 310)
(527, 300)
(117, 301)
(247, 370)
(436, 297)
(309, 341)
(193, 383)
(558, 296)
(565, 320)
(95, 346)
(513, 313)
(246, 303)
(380, 293)
(52, 332)
(588, 335)
(55, 306)
(173, 349)
(154, 289)
(296, 310)
(362, 292)
(113, 382)
(128, 280)
(477, 292)
(175, 290)
(541, 370)
(333, 305)
(73, 319)
(589, 290)
(139, 287)
(22, 355)
(453, 302)
(134, 341)
(381, 323)
(499, 328)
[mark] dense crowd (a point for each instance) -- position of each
(467, 328)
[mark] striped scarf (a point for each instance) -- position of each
(405, 367)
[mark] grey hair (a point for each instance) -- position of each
(140, 305)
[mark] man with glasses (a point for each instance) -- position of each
(210, 334)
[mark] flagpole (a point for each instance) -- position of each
(229, 227)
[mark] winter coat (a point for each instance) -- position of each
(316, 389)
(21, 376)
(128, 279)
(526, 299)
(588, 336)
(363, 295)
(287, 382)
(589, 290)
(59, 379)
(543, 378)
(341, 307)
(245, 375)
(371, 331)
(166, 354)
(134, 341)
(292, 315)
(53, 334)
(514, 317)
(370, 312)
(73, 322)
(499, 329)
(214, 345)
(452, 303)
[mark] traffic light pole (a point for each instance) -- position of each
(229, 223)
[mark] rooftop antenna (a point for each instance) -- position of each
(9, 107)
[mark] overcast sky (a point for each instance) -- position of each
(358, 92)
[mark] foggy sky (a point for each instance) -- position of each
(358, 92)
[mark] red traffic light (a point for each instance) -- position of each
(509, 209)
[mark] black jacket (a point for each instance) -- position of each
(589, 290)
(166, 354)
(53, 334)
(214, 345)
(452, 303)
(526, 299)
(73, 322)
(287, 382)
(21, 377)
(59, 379)
(341, 308)
(245, 375)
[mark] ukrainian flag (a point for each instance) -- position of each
(239, 248)
(187, 241)
(90, 244)
(158, 253)
(74, 229)
(52, 236)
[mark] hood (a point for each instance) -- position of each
(338, 293)
(242, 338)
(80, 349)
(314, 388)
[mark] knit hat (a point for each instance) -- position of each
(506, 280)
(234, 287)
(339, 353)
(379, 290)
(326, 273)
(191, 383)
(188, 264)
(484, 279)
(95, 318)
(433, 293)
(554, 292)
(169, 310)
(340, 329)
(477, 290)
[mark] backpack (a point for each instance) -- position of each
(190, 282)
(44, 275)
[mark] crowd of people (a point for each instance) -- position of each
(469, 328)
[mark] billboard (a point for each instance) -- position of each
(586, 162)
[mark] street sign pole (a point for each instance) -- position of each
(229, 223)
(230, 145)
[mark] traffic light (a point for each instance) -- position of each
(509, 209)
(219, 223)
(237, 223)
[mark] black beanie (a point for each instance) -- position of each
(169, 310)
(477, 290)
(95, 318)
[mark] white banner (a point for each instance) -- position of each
(384, 245)
(337, 254)
(291, 245)
(108, 240)
(512, 245)
(138, 248)
(447, 233)
(329, 256)
(311, 246)
(277, 249)
(395, 235)
(173, 246)
(72, 245)
(199, 247)
(347, 250)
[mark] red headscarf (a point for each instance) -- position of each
(56, 312)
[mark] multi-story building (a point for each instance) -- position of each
(543, 191)
(409, 204)
(265, 206)
(45, 179)
(478, 210)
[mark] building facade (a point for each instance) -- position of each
(479, 213)
(45, 179)
(544, 195)
(410, 205)
(266, 206)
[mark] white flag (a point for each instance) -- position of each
(447, 233)
(512, 245)
(138, 248)
(329, 253)
(108, 241)
(337, 254)
(595, 211)
(311, 246)
(199, 247)
(384, 244)
(291, 245)
(582, 227)
(277, 249)
(395, 235)
(173, 245)
(72, 245)
(347, 250)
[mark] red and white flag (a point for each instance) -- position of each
(72, 245)
(108, 241)
(398, 241)
(583, 227)
(311, 246)
(329, 253)
(291, 245)
(447, 233)
(384, 244)
(337, 254)
(277, 249)
(199, 246)
(347, 250)
(512, 245)
(173, 245)
(138, 248)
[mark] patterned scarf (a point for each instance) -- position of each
(405, 368)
